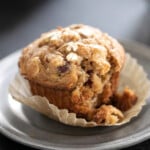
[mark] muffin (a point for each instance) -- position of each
(78, 68)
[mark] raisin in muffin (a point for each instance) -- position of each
(76, 68)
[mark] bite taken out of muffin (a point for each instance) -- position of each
(78, 68)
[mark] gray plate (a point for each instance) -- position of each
(31, 128)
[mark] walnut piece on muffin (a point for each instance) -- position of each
(77, 68)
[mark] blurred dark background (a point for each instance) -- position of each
(21, 21)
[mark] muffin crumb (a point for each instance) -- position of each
(125, 100)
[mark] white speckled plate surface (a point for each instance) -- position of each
(27, 126)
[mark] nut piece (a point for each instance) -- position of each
(71, 47)
(73, 57)
(33, 66)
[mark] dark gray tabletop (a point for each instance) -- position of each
(23, 21)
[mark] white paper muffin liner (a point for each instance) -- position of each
(132, 76)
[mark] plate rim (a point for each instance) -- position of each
(129, 141)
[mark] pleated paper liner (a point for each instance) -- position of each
(132, 75)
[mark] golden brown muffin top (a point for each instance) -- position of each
(65, 57)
